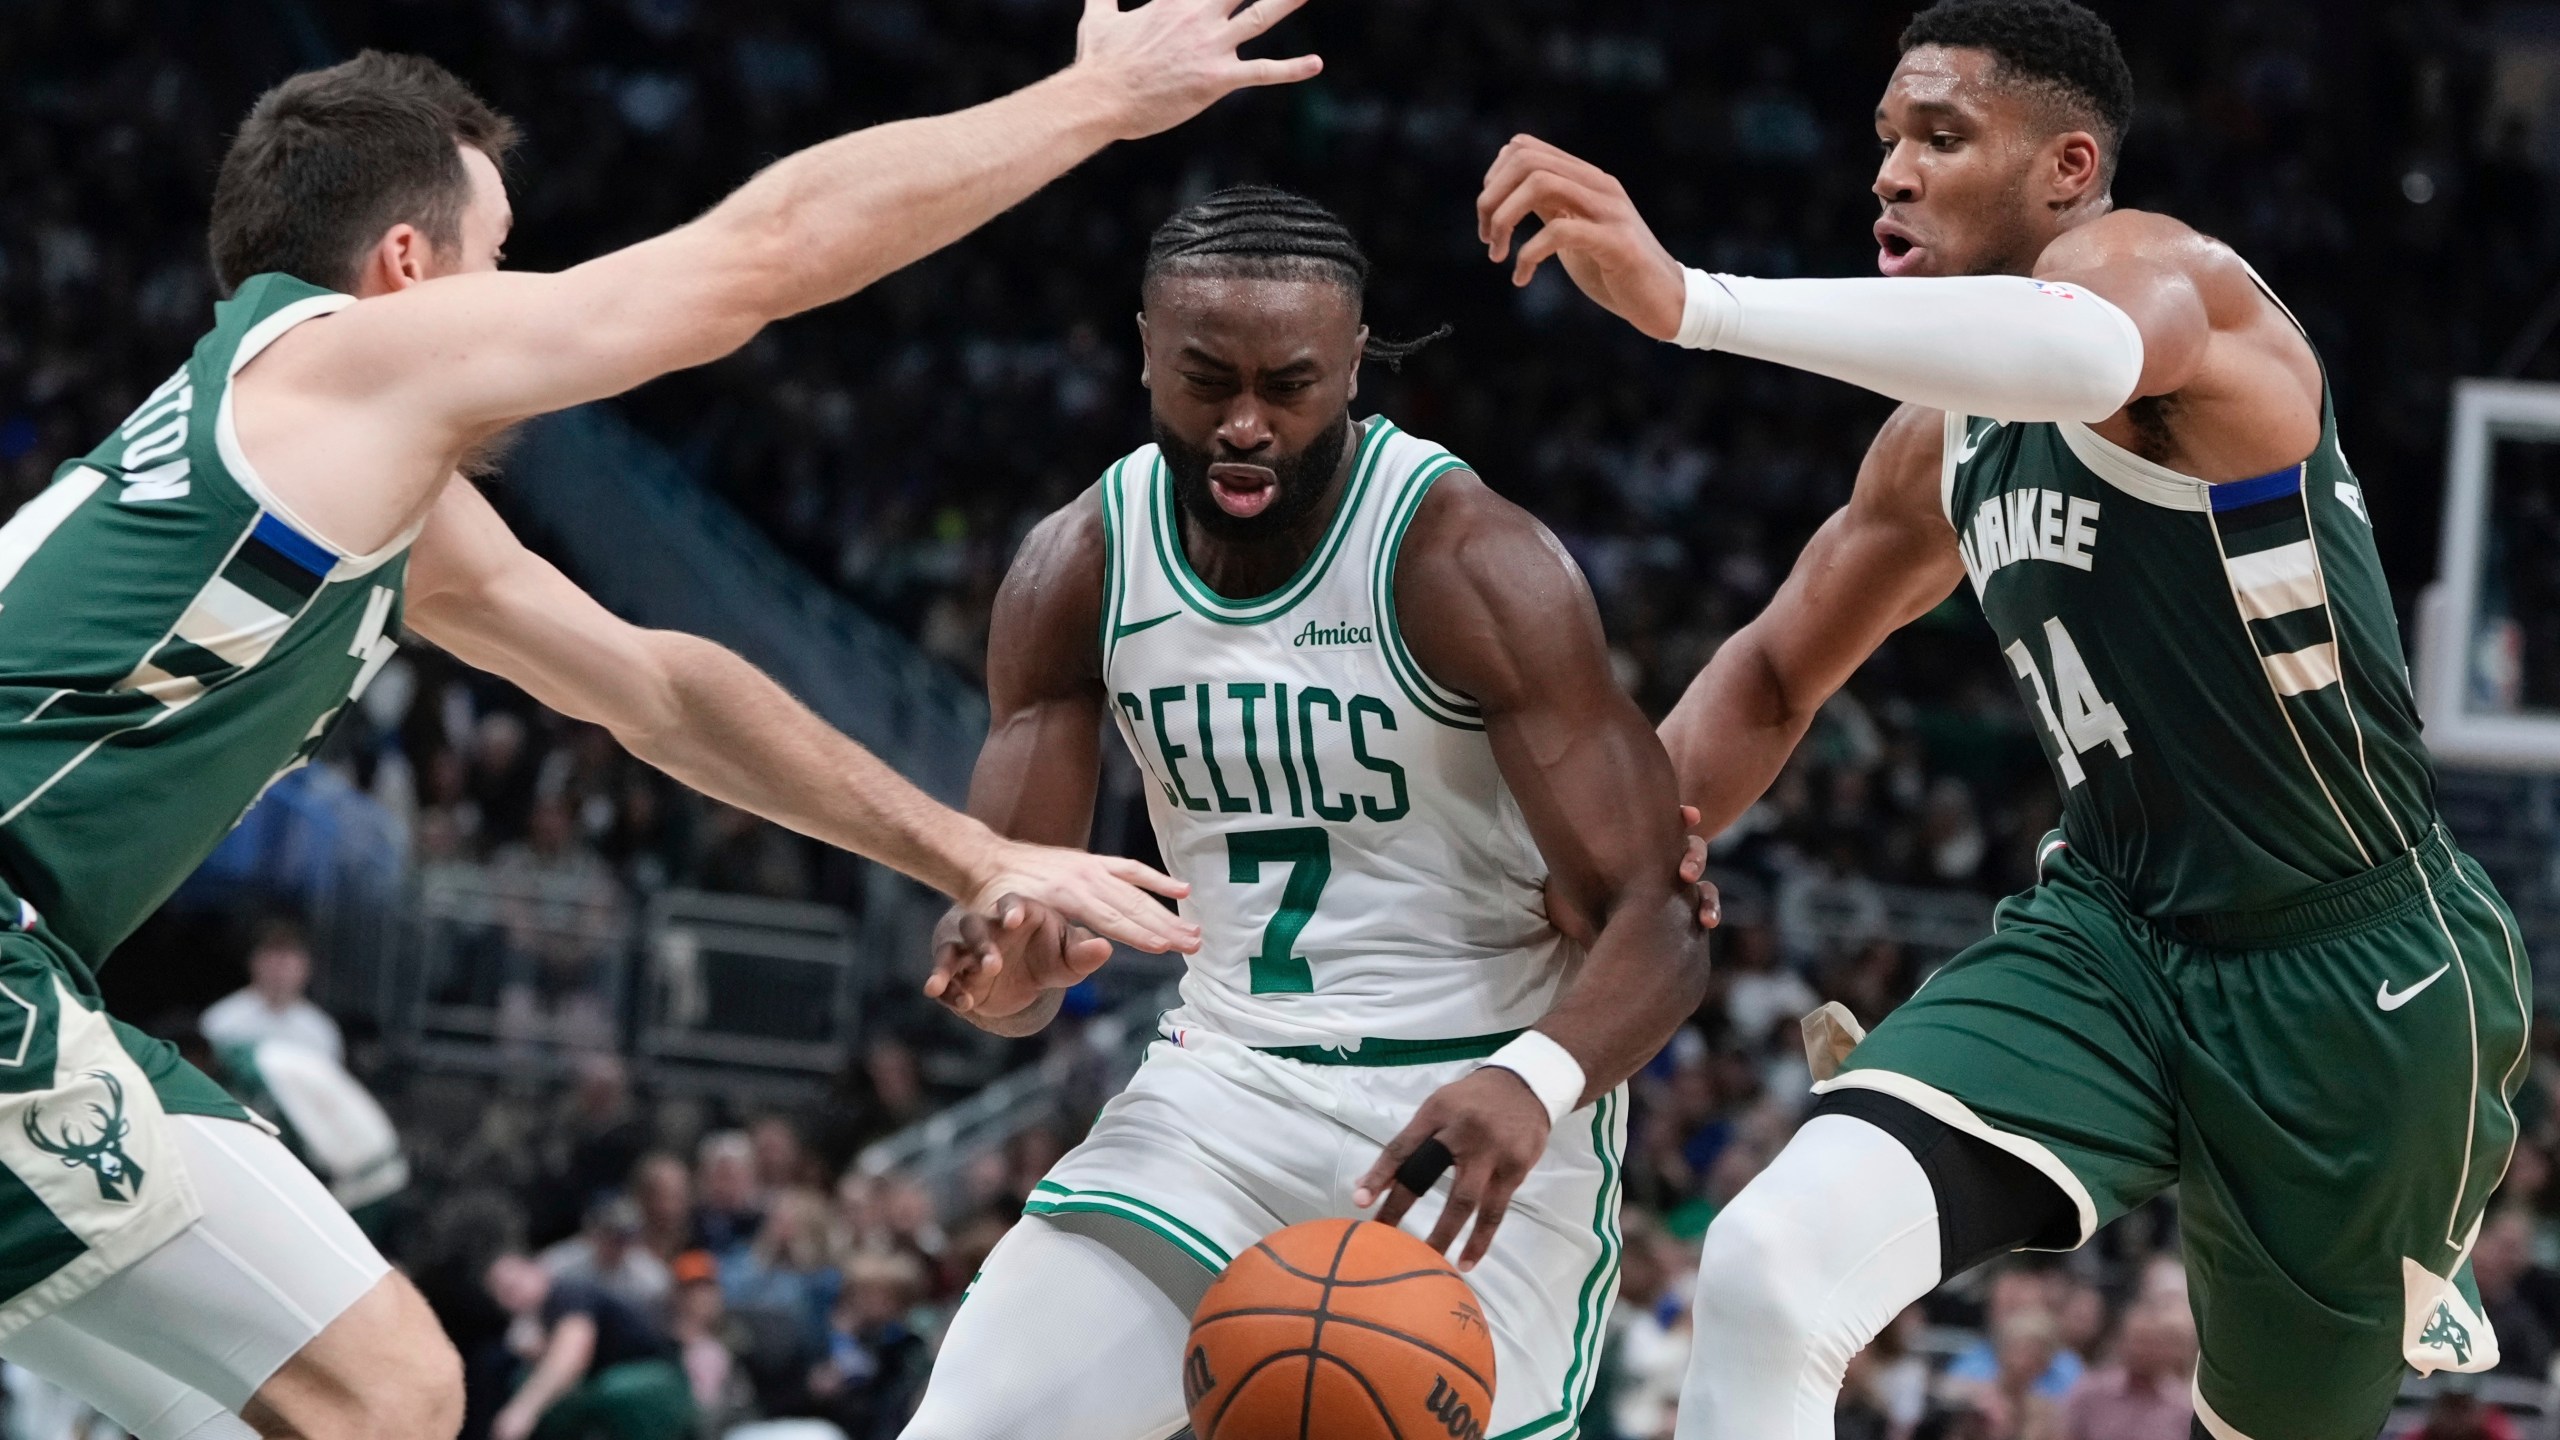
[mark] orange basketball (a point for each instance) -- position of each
(1340, 1329)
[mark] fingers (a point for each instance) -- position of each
(1710, 906)
(1249, 73)
(1147, 877)
(1373, 1186)
(1258, 17)
(1549, 242)
(1119, 910)
(1489, 1212)
(1464, 1196)
(1693, 860)
(1689, 817)
(1546, 195)
(1525, 158)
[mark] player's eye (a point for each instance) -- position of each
(1945, 141)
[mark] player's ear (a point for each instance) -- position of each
(2076, 169)
(1359, 352)
(400, 259)
(1146, 379)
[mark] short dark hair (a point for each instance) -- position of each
(1262, 233)
(331, 158)
(2055, 47)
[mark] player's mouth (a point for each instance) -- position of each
(1897, 253)
(1243, 491)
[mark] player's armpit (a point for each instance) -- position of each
(1886, 559)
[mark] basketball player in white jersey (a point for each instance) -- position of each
(1377, 720)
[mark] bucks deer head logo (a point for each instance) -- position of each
(102, 1152)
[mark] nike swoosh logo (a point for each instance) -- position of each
(1972, 445)
(1125, 631)
(2389, 1002)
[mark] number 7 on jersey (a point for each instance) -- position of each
(1309, 855)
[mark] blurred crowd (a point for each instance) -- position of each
(708, 1263)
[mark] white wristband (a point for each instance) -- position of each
(1549, 1070)
(1708, 313)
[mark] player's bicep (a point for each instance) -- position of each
(478, 593)
(1494, 608)
(1036, 774)
(1883, 560)
(463, 354)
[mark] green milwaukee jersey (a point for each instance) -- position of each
(2214, 670)
(172, 640)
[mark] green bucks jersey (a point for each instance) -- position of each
(172, 639)
(2214, 670)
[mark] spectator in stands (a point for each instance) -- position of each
(1890, 1378)
(272, 1006)
(2143, 1392)
(2517, 1295)
(729, 1205)
(663, 1187)
(1645, 1354)
(875, 1362)
(596, 1138)
(2018, 1288)
(565, 919)
(2014, 1403)
(598, 1367)
(2457, 1413)
(783, 1161)
(607, 1253)
(784, 1270)
(707, 1343)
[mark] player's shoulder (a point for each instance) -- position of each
(2149, 236)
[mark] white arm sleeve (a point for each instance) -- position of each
(2000, 346)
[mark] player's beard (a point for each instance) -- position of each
(1303, 480)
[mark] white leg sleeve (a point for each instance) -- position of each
(1067, 1336)
(1806, 1265)
(222, 1306)
(147, 1402)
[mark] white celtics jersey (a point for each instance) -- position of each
(1359, 871)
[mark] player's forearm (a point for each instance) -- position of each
(1645, 975)
(1731, 734)
(823, 223)
(725, 728)
(2002, 346)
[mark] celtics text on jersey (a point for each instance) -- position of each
(1359, 870)
(172, 639)
(2215, 671)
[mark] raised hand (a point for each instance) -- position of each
(1002, 960)
(1586, 221)
(1102, 893)
(1495, 1129)
(1168, 60)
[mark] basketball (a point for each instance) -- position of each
(1346, 1329)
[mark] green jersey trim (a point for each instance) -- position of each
(1053, 1199)
(1211, 605)
(1372, 1054)
(1115, 576)
(1432, 699)
(1599, 1287)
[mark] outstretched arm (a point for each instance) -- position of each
(1887, 558)
(715, 722)
(403, 384)
(2125, 306)
(1495, 609)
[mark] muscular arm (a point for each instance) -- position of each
(400, 385)
(566, 1354)
(1887, 558)
(1494, 608)
(715, 722)
(1036, 773)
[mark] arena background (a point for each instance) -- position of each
(573, 984)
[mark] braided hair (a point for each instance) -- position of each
(1257, 232)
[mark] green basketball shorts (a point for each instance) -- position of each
(2329, 1086)
(90, 1177)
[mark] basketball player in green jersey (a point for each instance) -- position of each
(188, 607)
(2255, 967)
